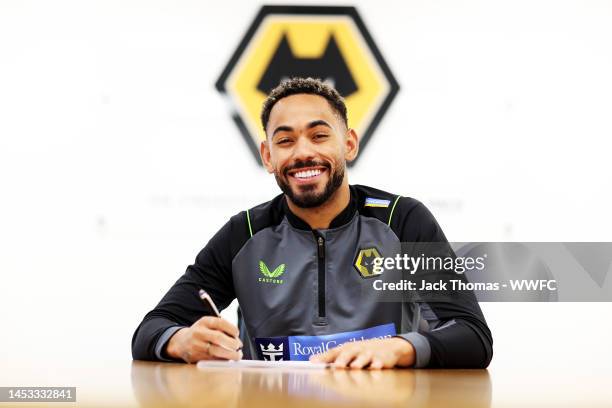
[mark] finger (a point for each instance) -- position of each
(218, 323)
(362, 359)
(327, 357)
(227, 327)
(196, 351)
(345, 357)
(200, 350)
(223, 340)
(376, 364)
(221, 353)
(218, 338)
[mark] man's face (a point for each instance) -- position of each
(307, 148)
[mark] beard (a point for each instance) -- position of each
(307, 197)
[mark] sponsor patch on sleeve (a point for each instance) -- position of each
(376, 202)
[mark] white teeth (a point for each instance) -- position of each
(307, 173)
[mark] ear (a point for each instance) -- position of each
(351, 145)
(264, 152)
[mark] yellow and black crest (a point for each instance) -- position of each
(329, 43)
(364, 263)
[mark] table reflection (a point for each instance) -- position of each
(170, 384)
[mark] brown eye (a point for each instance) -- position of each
(321, 136)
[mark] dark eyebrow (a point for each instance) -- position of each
(316, 123)
(310, 125)
(282, 129)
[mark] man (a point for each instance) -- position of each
(291, 262)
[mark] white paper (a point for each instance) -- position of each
(306, 365)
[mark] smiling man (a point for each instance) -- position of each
(297, 264)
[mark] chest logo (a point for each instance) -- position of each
(271, 276)
(364, 263)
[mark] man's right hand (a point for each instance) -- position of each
(210, 338)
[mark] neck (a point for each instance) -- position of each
(321, 217)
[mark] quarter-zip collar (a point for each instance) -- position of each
(343, 218)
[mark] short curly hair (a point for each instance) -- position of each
(299, 85)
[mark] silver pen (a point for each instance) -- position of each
(208, 300)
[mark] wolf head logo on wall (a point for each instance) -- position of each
(329, 43)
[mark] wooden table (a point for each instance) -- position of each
(181, 385)
(126, 383)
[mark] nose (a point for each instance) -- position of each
(303, 149)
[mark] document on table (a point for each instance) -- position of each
(305, 365)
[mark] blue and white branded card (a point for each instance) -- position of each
(300, 348)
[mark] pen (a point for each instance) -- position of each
(208, 300)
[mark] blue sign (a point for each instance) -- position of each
(300, 348)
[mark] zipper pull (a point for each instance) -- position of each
(321, 247)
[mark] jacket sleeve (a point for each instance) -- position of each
(456, 334)
(182, 306)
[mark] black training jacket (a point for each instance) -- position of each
(302, 291)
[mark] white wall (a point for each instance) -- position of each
(118, 160)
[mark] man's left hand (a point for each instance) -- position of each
(373, 354)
